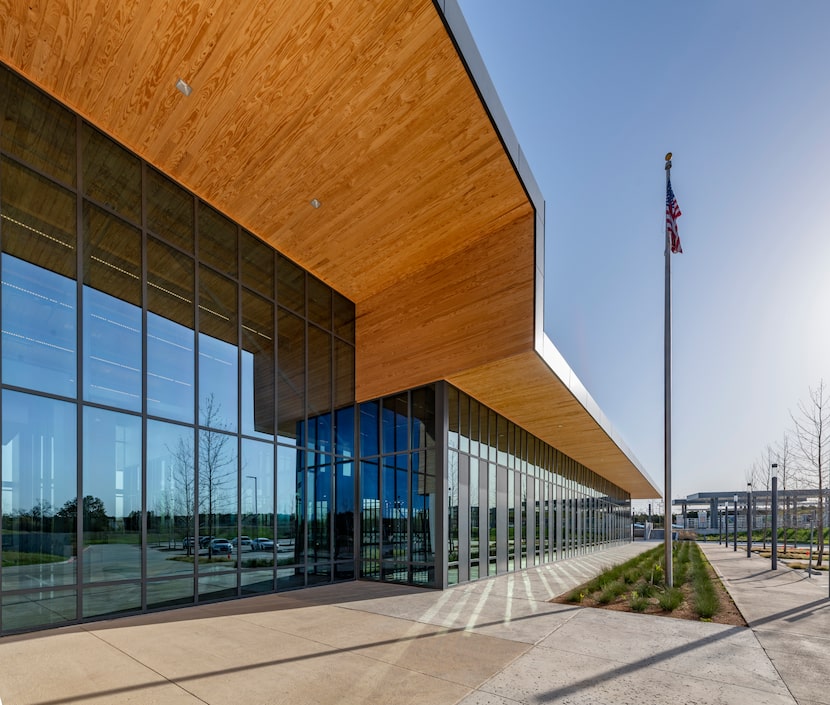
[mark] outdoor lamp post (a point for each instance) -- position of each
(735, 524)
(748, 519)
(774, 555)
(256, 508)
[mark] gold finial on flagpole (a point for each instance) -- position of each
(668, 156)
(668, 163)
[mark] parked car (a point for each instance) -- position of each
(188, 542)
(205, 540)
(221, 546)
(242, 541)
(262, 544)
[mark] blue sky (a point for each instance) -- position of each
(597, 92)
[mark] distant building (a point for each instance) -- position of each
(272, 287)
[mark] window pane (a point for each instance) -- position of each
(344, 431)
(112, 311)
(218, 352)
(319, 371)
(370, 520)
(369, 437)
(257, 503)
(319, 496)
(343, 373)
(319, 302)
(395, 423)
(112, 176)
(423, 417)
(36, 129)
(217, 240)
(344, 511)
(291, 375)
(257, 265)
(290, 471)
(170, 337)
(258, 366)
(111, 496)
(39, 491)
(217, 472)
(171, 492)
(290, 285)
(35, 355)
(169, 211)
(343, 317)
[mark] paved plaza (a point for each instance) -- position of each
(493, 642)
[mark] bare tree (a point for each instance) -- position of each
(785, 472)
(217, 465)
(184, 485)
(812, 427)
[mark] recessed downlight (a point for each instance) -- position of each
(315, 203)
(184, 87)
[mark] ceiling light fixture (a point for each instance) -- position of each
(315, 203)
(183, 87)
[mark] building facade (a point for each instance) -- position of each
(192, 412)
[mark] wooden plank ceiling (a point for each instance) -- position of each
(365, 106)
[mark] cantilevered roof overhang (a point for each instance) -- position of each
(429, 220)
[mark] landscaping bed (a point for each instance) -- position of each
(639, 586)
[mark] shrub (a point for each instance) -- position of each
(670, 599)
(638, 604)
(646, 589)
(611, 592)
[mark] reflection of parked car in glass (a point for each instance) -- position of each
(243, 541)
(262, 544)
(221, 546)
(205, 540)
(188, 542)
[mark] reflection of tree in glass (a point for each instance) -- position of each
(217, 464)
(179, 500)
(95, 513)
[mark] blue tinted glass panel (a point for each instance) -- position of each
(257, 494)
(218, 472)
(171, 492)
(217, 383)
(394, 425)
(39, 491)
(169, 369)
(112, 351)
(111, 496)
(290, 470)
(344, 511)
(344, 431)
(369, 440)
(39, 328)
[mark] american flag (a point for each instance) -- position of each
(672, 214)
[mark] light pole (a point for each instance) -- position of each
(735, 524)
(256, 508)
(774, 516)
(748, 519)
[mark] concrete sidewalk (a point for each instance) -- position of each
(493, 642)
(789, 614)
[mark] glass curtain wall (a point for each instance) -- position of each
(398, 488)
(177, 398)
(515, 502)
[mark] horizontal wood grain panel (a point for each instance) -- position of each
(525, 390)
(470, 309)
(365, 106)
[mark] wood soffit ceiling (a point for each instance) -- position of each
(363, 105)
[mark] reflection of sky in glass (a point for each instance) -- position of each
(286, 479)
(38, 327)
(112, 460)
(38, 452)
(112, 350)
(257, 477)
(169, 369)
(217, 381)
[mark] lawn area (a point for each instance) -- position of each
(638, 585)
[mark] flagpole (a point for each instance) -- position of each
(667, 400)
